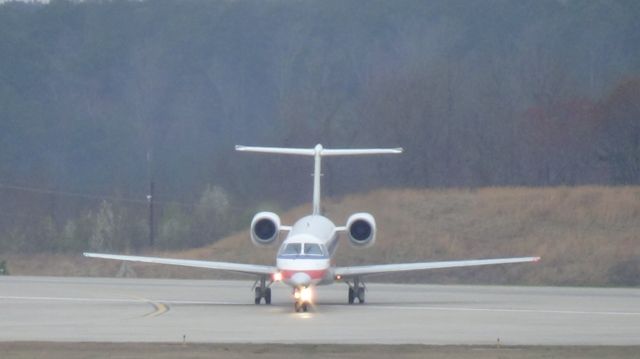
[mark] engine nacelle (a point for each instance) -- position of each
(265, 227)
(361, 228)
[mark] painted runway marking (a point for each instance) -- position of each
(506, 310)
(158, 309)
(117, 300)
(71, 299)
(161, 306)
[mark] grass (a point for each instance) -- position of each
(586, 236)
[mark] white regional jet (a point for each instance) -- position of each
(304, 257)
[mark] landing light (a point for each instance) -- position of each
(303, 294)
(277, 276)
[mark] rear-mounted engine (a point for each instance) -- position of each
(265, 228)
(361, 228)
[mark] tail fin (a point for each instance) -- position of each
(317, 152)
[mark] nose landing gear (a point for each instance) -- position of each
(302, 296)
(301, 306)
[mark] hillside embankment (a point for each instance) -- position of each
(587, 236)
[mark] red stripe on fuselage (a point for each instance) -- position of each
(313, 274)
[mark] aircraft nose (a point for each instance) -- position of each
(301, 279)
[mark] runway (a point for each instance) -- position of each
(145, 310)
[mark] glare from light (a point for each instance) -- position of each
(277, 276)
(305, 294)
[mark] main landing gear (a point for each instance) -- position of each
(262, 291)
(356, 290)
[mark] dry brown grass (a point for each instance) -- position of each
(586, 236)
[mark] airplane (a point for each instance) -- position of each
(304, 259)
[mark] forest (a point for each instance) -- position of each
(101, 100)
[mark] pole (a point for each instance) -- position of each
(150, 198)
(152, 233)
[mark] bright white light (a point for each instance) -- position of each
(305, 294)
(277, 277)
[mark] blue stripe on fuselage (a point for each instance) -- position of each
(301, 256)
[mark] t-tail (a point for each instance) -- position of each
(318, 152)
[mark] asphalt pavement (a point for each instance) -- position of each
(206, 311)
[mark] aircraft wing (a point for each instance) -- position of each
(226, 266)
(404, 267)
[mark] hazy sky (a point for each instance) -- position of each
(41, 1)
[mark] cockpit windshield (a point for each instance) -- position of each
(312, 249)
(292, 249)
(303, 249)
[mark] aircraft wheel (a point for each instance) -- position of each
(267, 296)
(361, 295)
(258, 295)
(351, 295)
(297, 306)
(305, 307)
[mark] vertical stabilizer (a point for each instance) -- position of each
(317, 152)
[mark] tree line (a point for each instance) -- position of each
(103, 97)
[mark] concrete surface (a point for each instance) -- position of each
(144, 310)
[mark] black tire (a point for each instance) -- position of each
(305, 307)
(267, 296)
(258, 295)
(351, 295)
(296, 306)
(361, 295)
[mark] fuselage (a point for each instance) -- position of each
(304, 258)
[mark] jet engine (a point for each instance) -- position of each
(265, 228)
(361, 228)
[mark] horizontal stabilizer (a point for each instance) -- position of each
(363, 151)
(320, 151)
(278, 150)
